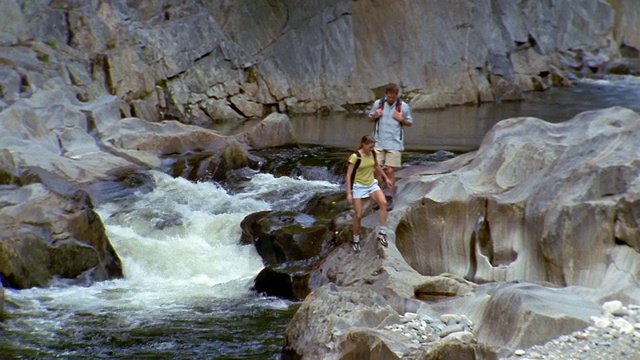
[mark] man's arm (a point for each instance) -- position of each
(375, 113)
(399, 117)
(404, 117)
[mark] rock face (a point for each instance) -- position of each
(542, 202)
(197, 61)
(47, 235)
(543, 216)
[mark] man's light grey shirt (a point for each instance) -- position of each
(388, 133)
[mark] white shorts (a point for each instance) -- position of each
(363, 191)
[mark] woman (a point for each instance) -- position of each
(362, 183)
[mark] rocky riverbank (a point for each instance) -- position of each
(614, 335)
(542, 220)
(527, 238)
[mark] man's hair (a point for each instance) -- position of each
(391, 88)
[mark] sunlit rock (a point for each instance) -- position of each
(523, 315)
(167, 137)
(541, 202)
(542, 216)
(275, 130)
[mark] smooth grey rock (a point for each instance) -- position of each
(550, 196)
(275, 130)
(12, 20)
(568, 179)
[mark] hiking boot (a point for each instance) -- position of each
(382, 238)
(356, 246)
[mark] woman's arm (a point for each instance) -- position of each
(350, 167)
(378, 170)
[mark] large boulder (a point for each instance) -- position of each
(557, 203)
(41, 142)
(544, 216)
(275, 130)
(292, 243)
(46, 235)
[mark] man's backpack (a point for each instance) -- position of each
(357, 164)
(384, 100)
(381, 107)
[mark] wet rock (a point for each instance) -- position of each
(291, 244)
(285, 236)
(47, 235)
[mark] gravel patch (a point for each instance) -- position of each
(615, 335)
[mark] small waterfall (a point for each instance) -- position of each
(187, 286)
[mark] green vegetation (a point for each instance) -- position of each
(42, 56)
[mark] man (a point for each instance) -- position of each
(391, 115)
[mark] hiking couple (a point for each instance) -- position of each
(378, 155)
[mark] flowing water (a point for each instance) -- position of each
(187, 287)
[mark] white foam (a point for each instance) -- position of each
(178, 244)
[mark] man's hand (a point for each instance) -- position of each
(397, 115)
(389, 183)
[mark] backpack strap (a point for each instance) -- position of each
(355, 166)
(399, 109)
(376, 127)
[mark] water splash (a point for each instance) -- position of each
(186, 277)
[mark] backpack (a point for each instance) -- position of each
(381, 106)
(357, 164)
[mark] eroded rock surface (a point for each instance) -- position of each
(541, 202)
(525, 238)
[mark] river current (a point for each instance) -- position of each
(187, 292)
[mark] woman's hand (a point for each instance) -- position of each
(349, 197)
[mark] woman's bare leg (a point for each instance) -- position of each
(381, 200)
(357, 218)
